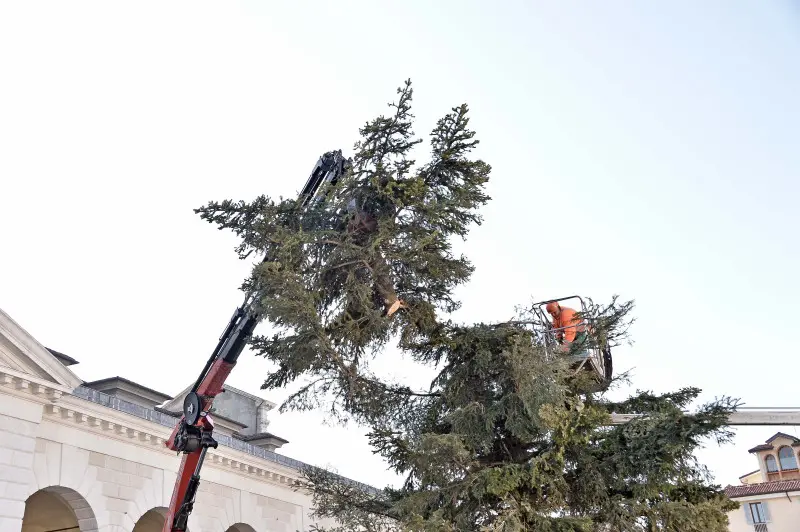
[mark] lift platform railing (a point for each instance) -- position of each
(548, 334)
(588, 354)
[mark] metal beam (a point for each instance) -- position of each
(743, 416)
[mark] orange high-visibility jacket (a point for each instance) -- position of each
(573, 324)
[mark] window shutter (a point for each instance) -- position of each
(747, 514)
(766, 511)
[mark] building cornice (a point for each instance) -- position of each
(766, 496)
(232, 454)
(65, 401)
(30, 387)
(65, 408)
(101, 420)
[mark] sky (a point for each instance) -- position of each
(640, 149)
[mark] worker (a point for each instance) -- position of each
(360, 225)
(568, 326)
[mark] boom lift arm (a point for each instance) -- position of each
(741, 417)
(193, 435)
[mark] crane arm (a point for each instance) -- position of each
(741, 417)
(193, 435)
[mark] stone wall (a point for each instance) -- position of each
(221, 506)
(19, 422)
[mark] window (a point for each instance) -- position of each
(756, 513)
(787, 458)
(772, 464)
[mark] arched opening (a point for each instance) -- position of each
(151, 521)
(240, 527)
(787, 458)
(772, 464)
(60, 509)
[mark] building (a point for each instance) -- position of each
(90, 456)
(769, 496)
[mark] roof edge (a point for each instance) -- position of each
(127, 381)
(777, 435)
(750, 473)
(762, 488)
(260, 436)
(213, 415)
(65, 359)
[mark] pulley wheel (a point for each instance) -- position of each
(191, 408)
(192, 443)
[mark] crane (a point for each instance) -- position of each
(758, 416)
(193, 434)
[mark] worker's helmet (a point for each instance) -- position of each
(552, 307)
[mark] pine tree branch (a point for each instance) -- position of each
(504, 438)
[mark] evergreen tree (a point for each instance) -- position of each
(506, 437)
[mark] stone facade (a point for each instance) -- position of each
(75, 459)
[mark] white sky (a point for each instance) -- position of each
(645, 150)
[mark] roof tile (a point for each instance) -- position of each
(762, 488)
(762, 447)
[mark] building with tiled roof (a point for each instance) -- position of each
(769, 497)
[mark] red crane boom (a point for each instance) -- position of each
(193, 435)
